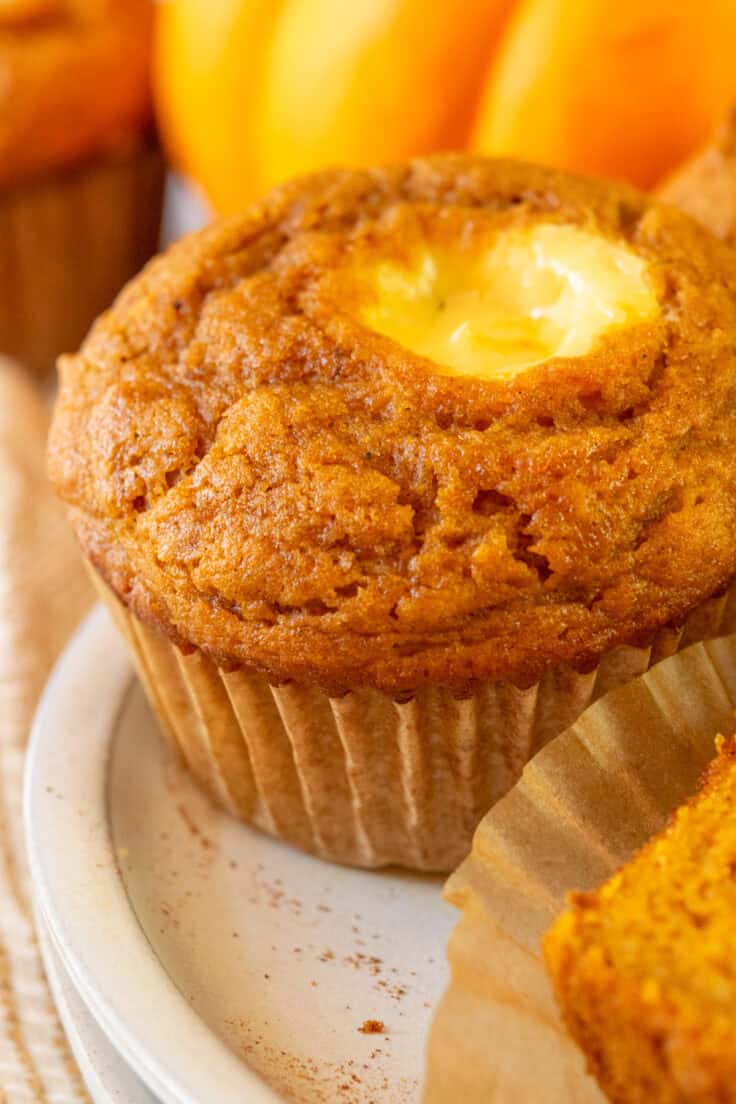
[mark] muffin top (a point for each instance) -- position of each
(454, 420)
(74, 81)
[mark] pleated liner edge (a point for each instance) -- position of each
(362, 779)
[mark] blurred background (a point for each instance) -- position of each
(249, 92)
(99, 97)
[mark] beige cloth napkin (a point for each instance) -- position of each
(43, 594)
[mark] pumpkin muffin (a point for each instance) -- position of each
(643, 968)
(390, 476)
(80, 180)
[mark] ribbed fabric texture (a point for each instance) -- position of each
(43, 593)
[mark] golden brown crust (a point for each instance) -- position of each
(269, 481)
(643, 968)
(74, 81)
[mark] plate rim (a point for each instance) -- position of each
(79, 892)
(79, 1023)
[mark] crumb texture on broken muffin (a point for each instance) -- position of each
(644, 969)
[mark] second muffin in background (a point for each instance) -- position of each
(81, 180)
(390, 476)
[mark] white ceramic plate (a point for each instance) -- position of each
(222, 965)
(107, 1077)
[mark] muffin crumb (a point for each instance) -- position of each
(372, 1027)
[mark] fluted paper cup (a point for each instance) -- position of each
(68, 243)
(363, 779)
(580, 811)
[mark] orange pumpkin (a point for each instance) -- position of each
(622, 88)
(250, 92)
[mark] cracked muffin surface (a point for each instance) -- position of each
(262, 461)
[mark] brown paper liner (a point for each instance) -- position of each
(68, 243)
(362, 779)
(579, 812)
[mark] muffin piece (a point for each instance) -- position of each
(706, 187)
(643, 969)
(410, 465)
(80, 182)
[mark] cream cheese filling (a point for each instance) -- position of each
(544, 291)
